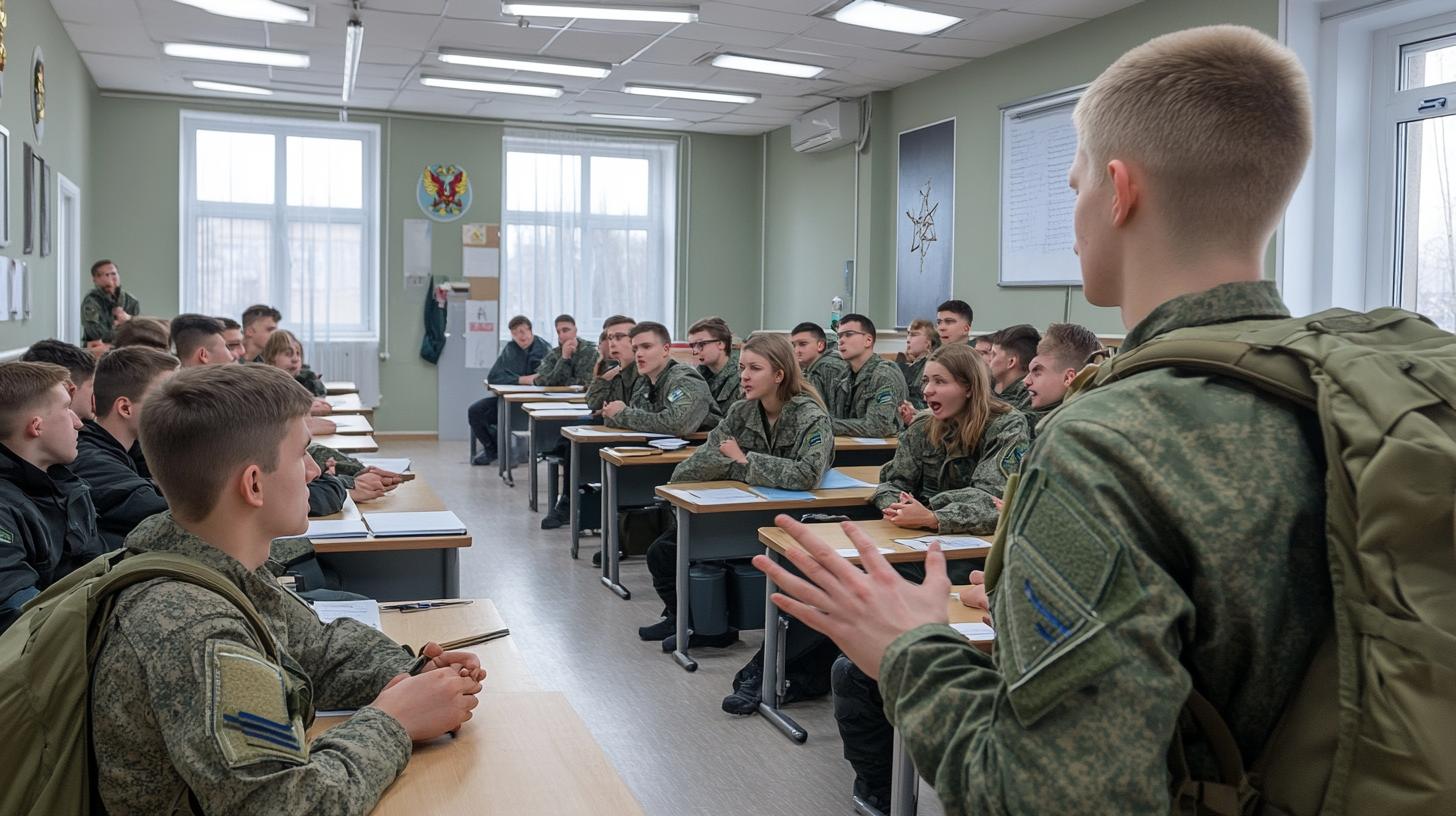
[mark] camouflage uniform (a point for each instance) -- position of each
(97, 322)
(867, 403)
(1034, 416)
(188, 706)
(792, 455)
(308, 378)
(556, 371)
(678, 403)
(618, 389)
(959, 489)
(1168, 526)
(725, 386)
(824, 372)
(914, 374)
(346, 467)
(1017, 395)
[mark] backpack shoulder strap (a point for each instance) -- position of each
(1264, 367)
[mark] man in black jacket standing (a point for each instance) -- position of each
(516, 365)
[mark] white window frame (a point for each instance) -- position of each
(650, 223)
(279, 213)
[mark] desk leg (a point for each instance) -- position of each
(684, 521)
(574, 495)
(502, 435)
(531, 462)
(610, 531)
(452, 573)
(775, 644)
(904, 782)
(507, 460)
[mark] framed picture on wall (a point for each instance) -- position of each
(925, 222)
(27, 243)
(4, 187)
(43, 188)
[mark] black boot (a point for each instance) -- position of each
(559, 516)
(697, 641)
(660, 631)
(747, 686)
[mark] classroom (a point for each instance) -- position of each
(728, 406)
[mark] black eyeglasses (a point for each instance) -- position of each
(698, 346)
(852, 333)
(618, 336)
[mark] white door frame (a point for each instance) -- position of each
(68, 260)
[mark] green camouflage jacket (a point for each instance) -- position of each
(1034, 416)
(958, 489)
(726, 386)
(97, 322)
(618, 389)
(867, 403)
(824, 372)
(914, 374)
(185, 699)
(308, 378)
(792, 455)
(555, 371)
(1167, 527)
(1017, 395)
(678, 403)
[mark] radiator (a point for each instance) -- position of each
(354, 360)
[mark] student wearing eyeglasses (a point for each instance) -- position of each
(711, 341)
(865, 401)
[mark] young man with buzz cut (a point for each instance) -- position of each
(953, 322)
(669, 398)
(143, 331)
(123, 497)
(188, 707)
(80, 362)
(259, 322)
(47, 521)
(1011, 351)
(1136, 560)
(822, 366)
(232, 336)
(1062, 352)
(516, 364)
(198, 340)
(711, 342)
(866, 400)
(573, 359)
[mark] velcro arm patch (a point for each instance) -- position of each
(248, 708)
(675, 394)
(885, 396)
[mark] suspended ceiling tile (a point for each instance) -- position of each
(1014, 27)
(837, 32)
(791, 6)
(1086, 9)
(581, 45)
(754, 19)
(617, 99)
(90, 11)
(395, 29)
(677, 51)
(960, 49)
(729, 35)
(474, 35)
(126, 39)
(730, 129)
(433, 8)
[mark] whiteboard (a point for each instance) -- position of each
(1038, 143)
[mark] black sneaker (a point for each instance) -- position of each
(747, 686)
(659, 631)
(697, 641)
(597, 557)
(485, 457)
(551, 521)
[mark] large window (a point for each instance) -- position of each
(588, 228)
(284, 212)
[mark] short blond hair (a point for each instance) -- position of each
(24, 388)
(1219, 116)
(924, 326)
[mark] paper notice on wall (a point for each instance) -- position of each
(19, 290)
(480, 235)
(4, 289)
(480, 262)
(416, 252)
(481, 340)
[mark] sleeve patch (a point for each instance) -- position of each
(885, 396)
(1011, 462)
(815, 438)
(249, 710)
(676, 394)
(6, 537)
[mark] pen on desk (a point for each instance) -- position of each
(417, 606)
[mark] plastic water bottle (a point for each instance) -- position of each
(836, 307)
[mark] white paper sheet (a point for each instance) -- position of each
(975, 632)
(481, 341)
(19, 308)
(851, 552)
(391, 465)
(868, 440)
(337, 528)
(436, 522)
(366, 612)
(416, 252)
(723, 495)
(4, 289)
(480, 262)
(555, 406)
(946, 543)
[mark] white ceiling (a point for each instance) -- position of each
(120, 41)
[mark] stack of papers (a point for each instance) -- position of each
(869, 440)
(722, 495)
(669, 443)
(558, 406)
(366, 611)
(946, 543)
(632, 450)
(851, 552)
(438, 522)
(391, 465)
(775, 494)
(337, 528)
(835, 480)
(975, 632)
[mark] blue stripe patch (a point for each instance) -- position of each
(264, 721)
(1045, 613)
(285, 739)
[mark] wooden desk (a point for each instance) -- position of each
(629, 480)
(543, 428)
(347, 443)
(351, 424)
(883, 533)
(508, 396)
(505, 669)
(850, 452)
(340, 387)
(397, 567)
(716, 531)
(347, 404)
(516, 388)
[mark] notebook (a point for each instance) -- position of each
(776, 494)
(975, 632)
(437, 522)
(391, 465)
(722, 495)
(835, 480)
(337, 528)
(366, 612)
(946, 543)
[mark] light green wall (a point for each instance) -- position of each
(137, 148)
(973, 94)
(70, 96)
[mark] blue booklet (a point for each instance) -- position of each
(775, 494)
(834, 480)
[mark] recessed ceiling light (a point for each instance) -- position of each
(632, 118)
(645, 14)
(228, 87)
(590, 70)
(890, 17)
(267, 11)
(491, 87)
(228, 53)
(684, 93)
(767, 66)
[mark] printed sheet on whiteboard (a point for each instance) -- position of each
(1038, 143)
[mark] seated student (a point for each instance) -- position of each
(982, 345)
(191, 707)
(1011, 351)
(920, 340)
(669, 398)
(516, 365)
(947, 476)
(79, 362)
(866, 400)
(47, 521)
(711, 341)
(143, 331)
(821, 365)
(232, 335)
(1062, 352)
(573, 359)
(953, 322)
(106, 307)
(778, 435)
(123, 497)
(284, 351)
(259, 322)
(197, 340)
